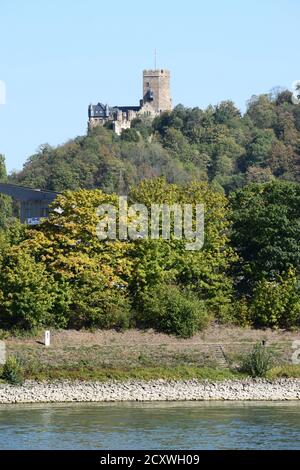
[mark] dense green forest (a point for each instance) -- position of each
(218, 145)
(244, 169)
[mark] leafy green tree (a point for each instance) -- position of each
(227, 113)
(283, 97)
(266, 231)
(12, 235)
(258, 150)
(95, 305)
(67, 241)
(285, 126)
(130, 135)
(143, 125)
(257, 174)
(27, 293)
(90, 274)
(262, 111)
(281, 160)
(160, 261)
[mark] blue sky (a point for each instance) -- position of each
(58, 56)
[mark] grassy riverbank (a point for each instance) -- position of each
(143, 373)
(103, 355)
(148, 373)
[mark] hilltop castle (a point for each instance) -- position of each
(156, 99)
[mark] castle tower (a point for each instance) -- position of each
(156, 89)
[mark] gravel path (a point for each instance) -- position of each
(156, 390)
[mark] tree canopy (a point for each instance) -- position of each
(218, 145)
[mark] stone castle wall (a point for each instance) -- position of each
(159, 82)
(156, 99)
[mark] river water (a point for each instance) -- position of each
(171, 425)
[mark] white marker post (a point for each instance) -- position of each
(2, 353)
(47, 338)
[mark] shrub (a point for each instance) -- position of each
(95, 306)
(242, 315)
(12, 371)
(171, 310)
(258, 361)
(130, 135)
(277, 303)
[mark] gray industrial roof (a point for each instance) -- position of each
(23, 193)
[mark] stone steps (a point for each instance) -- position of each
(217, 353)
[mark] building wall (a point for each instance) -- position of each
(122, 122)
(159, 82)
(35, 209)
(93, 122)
